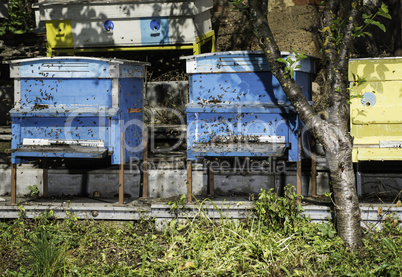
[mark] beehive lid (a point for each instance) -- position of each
(75, 67)
(134, 8)
(239, 61)
(117, 61)
(375, 69)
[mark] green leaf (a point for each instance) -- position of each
(368, 20)
(358, 79)
(376, 23)
(384, 8)
(301, 57)
(292, 72)
(389, 243)
(386, 15)
(356, 96)
(285, 269)
(281, 60)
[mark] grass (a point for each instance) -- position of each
(45, 255)
(47, 246)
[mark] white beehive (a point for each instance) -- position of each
(84, 24)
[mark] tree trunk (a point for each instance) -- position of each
(330, 131)
(347, 210)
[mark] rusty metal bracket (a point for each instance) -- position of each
(134, 110)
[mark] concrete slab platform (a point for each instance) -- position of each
(217, 209)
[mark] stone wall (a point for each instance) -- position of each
(293, 24)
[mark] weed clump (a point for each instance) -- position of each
(275, 240)
(45, 255)
(280, 213)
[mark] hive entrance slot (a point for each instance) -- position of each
(38, 107)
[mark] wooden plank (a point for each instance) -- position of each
(170, 127)
(359, 179)
(5, 130)
(313, 169)
(145, 163)
(45, 178)
(5, 133)
(226, 149)
(145, 148)
(13, 184)
(121, 171)
(133, 10)
(299, 173)
(5, 137)
(63, 149)
(189, 182)
(211, 180)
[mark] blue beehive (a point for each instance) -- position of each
(238, 109)
(76, 107)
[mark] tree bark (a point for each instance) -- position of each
(331, 131)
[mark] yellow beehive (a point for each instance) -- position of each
(376, 108)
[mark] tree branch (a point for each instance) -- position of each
(330, 51)
(330, 11)
(325, 134)
(340, 95)
(271, 50)
(347, 35)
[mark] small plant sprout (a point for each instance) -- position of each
(329, 195)
(290, 63)
(357, 82)
(34, 191)
(176, 206)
